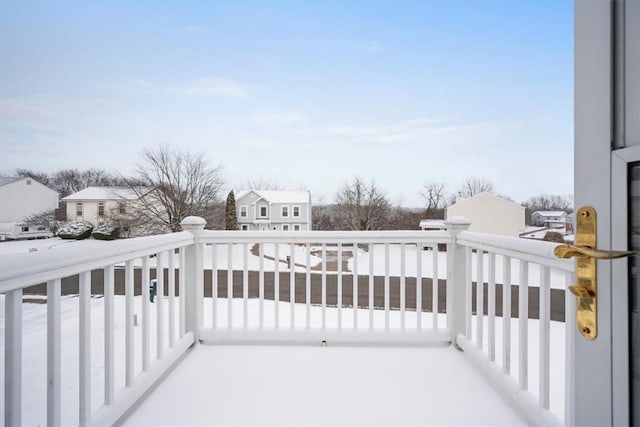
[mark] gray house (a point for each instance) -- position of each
(551, 219)
(274, 210)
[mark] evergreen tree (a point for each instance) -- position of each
(230, 216)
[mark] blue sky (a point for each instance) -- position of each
(302, 94)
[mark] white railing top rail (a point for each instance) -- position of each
(349, 237)
(535, 251)
(22, 270)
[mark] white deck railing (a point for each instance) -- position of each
(364, 300)
(20, 271)
(521, 258)
(366, 309)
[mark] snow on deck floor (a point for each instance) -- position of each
(283, 385)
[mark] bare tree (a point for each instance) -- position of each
(549, 202)
(176, 184)
(404, 219)
(45, 219)
(435, 196)
(474, 185)
(362, 207)
(323, 216)
(41, 177)
(261, 184)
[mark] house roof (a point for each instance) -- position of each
(550, 213)
(4, 180)
(484, 194)
(278, 196)
(102, 193)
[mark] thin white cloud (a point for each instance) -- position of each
(25, 110)
(260, 143)
(277, 117)
(421, 130)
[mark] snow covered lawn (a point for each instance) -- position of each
(236, 261)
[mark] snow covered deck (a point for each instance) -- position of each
(388, 305)
(332, 385)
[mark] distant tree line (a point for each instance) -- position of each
(360, 205)
(171, 184)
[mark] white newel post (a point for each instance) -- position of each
(456, 277)
(194, 276)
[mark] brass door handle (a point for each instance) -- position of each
(586, 288)
(568, 251)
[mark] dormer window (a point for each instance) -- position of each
(263, 211)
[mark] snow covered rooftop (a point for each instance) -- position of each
(485, 195)
(279, 196)
(550, 213)
(102, 193)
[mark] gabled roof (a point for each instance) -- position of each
(278, 196)
(484, 194)
(4, 180)
(102, 193)
(550, 213)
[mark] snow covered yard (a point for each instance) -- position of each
(235, 258)
(245, 385)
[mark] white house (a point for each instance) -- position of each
(97, 204)
(551, 219)
(274, 210)
(489, 213)
(22, 197)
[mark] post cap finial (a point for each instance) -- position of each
(458, 221)
(193, 222)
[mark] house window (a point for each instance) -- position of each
(285, 211)
(101, 209)
(25, 228)
(245, 227)
(285, 227)
(263, 211)
(243, 211)
(122, 208)
(78, 209)
(296, 211)
(28, 182)
(296, 227)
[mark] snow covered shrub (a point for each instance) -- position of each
(106, 232)
(75, 230)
